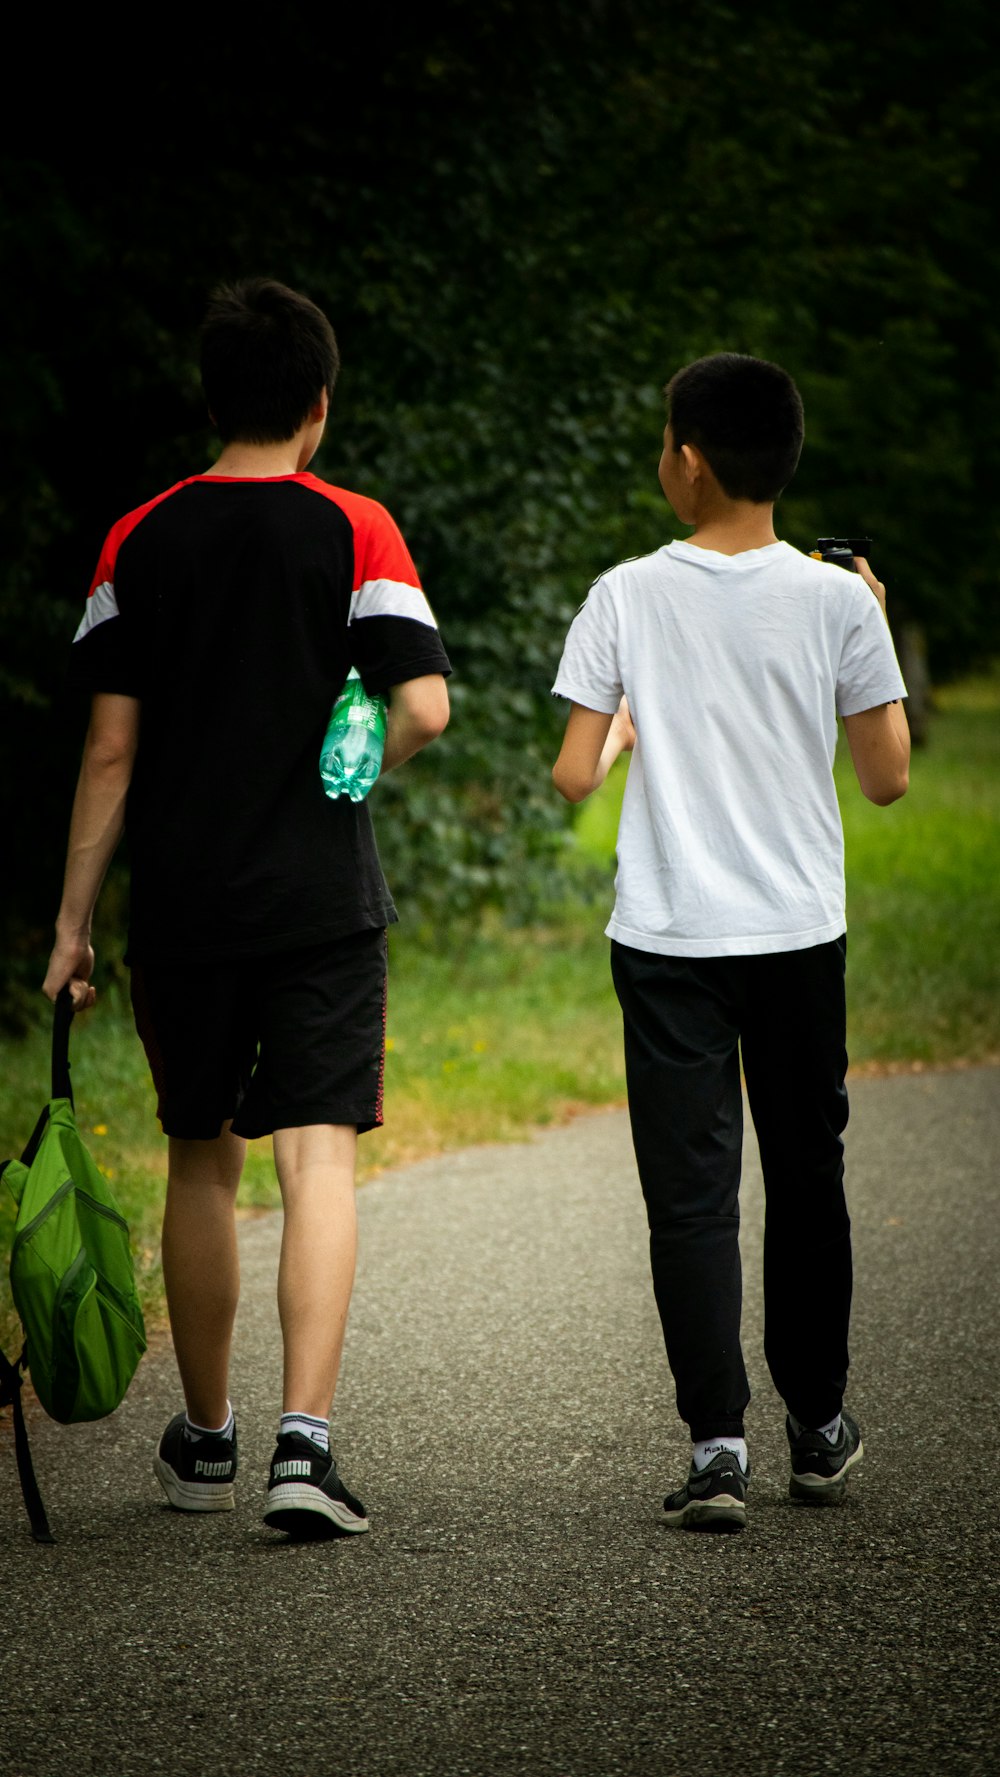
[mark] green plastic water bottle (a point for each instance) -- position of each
(351, 755)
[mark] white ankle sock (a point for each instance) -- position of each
(194, 1432)
(308, 1426)
(703, 1452)
(830, 1432)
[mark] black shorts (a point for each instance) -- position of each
(274, 1042)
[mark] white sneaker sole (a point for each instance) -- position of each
(723, 1513)
(824, 1489)
(194, 1496)
(300, 1508)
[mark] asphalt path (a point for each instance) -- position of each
(506, 1414)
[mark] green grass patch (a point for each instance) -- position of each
(510, 1031)
(922, 903)
(492, 1034)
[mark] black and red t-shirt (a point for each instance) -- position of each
(233, 610)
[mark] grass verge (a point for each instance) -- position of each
(923, 963)
(505, 1031)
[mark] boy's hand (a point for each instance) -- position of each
(71, 964)
(868, 577)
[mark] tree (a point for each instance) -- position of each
(521, 220)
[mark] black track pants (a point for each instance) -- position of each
(686, 1019)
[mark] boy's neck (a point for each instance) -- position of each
(286, 456)
(737, 525)
(258, 462)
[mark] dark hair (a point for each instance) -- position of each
(745, 416)
(267, 353)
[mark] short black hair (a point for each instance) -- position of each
(745, 416)
(267, 353)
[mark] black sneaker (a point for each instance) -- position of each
(196, 1474)
(712, 1498)
(819, 1468)
(305, 1494)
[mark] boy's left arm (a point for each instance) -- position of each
(879, 736)
(591, 745)
(417, 713)
(95, 828)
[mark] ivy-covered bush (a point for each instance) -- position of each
(521, 221)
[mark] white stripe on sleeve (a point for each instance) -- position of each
(101, 605)
(390, 598)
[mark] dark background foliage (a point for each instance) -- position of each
(521, 221)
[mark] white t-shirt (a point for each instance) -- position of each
(735, 668)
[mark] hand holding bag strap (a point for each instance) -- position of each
(61, 1022)
(61, 1088)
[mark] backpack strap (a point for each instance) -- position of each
(61, 1022)
(11, 1379)
(28, 1157)
(10, 1396)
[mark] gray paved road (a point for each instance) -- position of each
(505, 1414)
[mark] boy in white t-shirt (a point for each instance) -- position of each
(733, 654)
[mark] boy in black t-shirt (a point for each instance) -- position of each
(222, 621)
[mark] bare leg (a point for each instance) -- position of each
(201, 1266)
(315, 1169)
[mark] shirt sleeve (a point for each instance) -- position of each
(104, 652)
(589, 671)
(869, 673)
(392, 633)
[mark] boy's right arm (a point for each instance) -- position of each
(879, 738)
(96, 826)
(591, 745)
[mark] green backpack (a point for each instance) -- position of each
(71, 1272)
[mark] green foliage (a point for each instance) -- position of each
(522, 220)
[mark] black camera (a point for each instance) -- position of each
(842, 550)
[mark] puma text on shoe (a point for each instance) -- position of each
(196, 1474)
(305, 1496)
